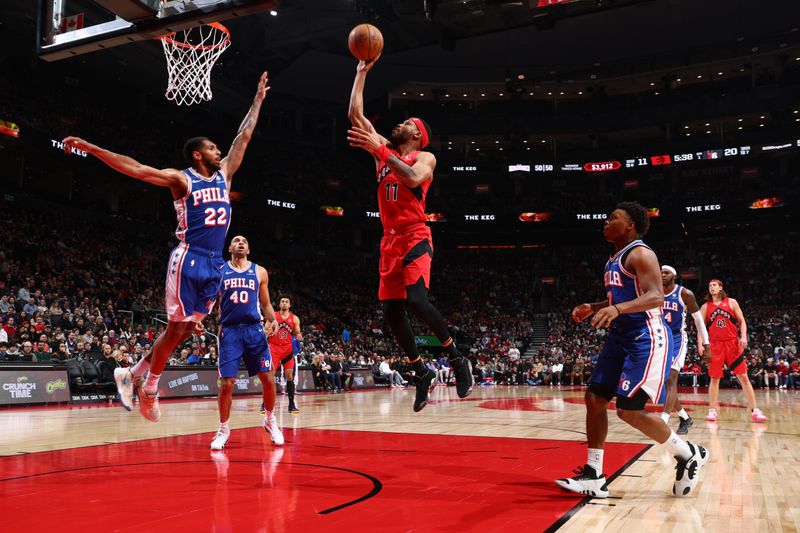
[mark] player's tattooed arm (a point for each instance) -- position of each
(165, 177)
(230, 164)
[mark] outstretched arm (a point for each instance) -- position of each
(231, 162)
(166, 177)
(355, 111)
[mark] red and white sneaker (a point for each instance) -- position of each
(758, 416)
(148, 405)
(712, 415)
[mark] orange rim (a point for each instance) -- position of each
(168, 38)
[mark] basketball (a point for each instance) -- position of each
(365, 42)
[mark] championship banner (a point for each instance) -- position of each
(25, 387)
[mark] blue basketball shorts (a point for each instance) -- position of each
(193, 280)
(636, 359)
(245, 342)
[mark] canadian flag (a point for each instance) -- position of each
(75, 22)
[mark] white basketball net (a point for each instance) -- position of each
(191, 55)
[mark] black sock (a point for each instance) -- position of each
(451, 348)
(419, 367)
(290, 390)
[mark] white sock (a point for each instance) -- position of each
(595, 459)
(140, 368)
(678, 447)
(151, 383)
(665, 417)
(223, 426)
(683, 414)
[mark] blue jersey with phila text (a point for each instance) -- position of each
(238, 296)
(674, 311)
(622, 286)
(204, 214)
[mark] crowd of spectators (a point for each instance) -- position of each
(81, 291)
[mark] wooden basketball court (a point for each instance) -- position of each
(364, 461)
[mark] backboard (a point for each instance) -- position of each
(68, 28)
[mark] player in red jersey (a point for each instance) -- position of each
(404, 177)
(280, 345)
(722, 315)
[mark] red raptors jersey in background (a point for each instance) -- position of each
(721, 321)
(285, 331)
(400, 206)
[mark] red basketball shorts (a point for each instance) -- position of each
(405, 258)
(282, 355)
(728, 352)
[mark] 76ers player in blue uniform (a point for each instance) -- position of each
(244, 289)
(636, 356)
(677, 301)
(202, 204)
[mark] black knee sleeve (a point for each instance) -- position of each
(633, 404)
(604, 391)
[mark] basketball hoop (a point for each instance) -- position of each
(191, 55)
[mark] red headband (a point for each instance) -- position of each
(718, 282)
(422, 130)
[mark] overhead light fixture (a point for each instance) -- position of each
(580, 92)
(678, 80)
(544, 141)
(404, 94)
(528, 148)
(549, 94)
(525, 141)
(699, 76)
(652, 84)
(763, 117)
(686, 127)
(422, 94)
(708, 131)
(501, 94)
(760, 125)
(740, 127)
(447, 96)
(795, 111)
(273, 13)
(464, 95)
(719, 74)
(497, 142)
(656, 93)
(520, 76)
(561, 93)
(530, 94)
(501, 148)
(449, 147)
(707, 124)
(472, 142)
(449, 142)
(477, 149)
(688, 134)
